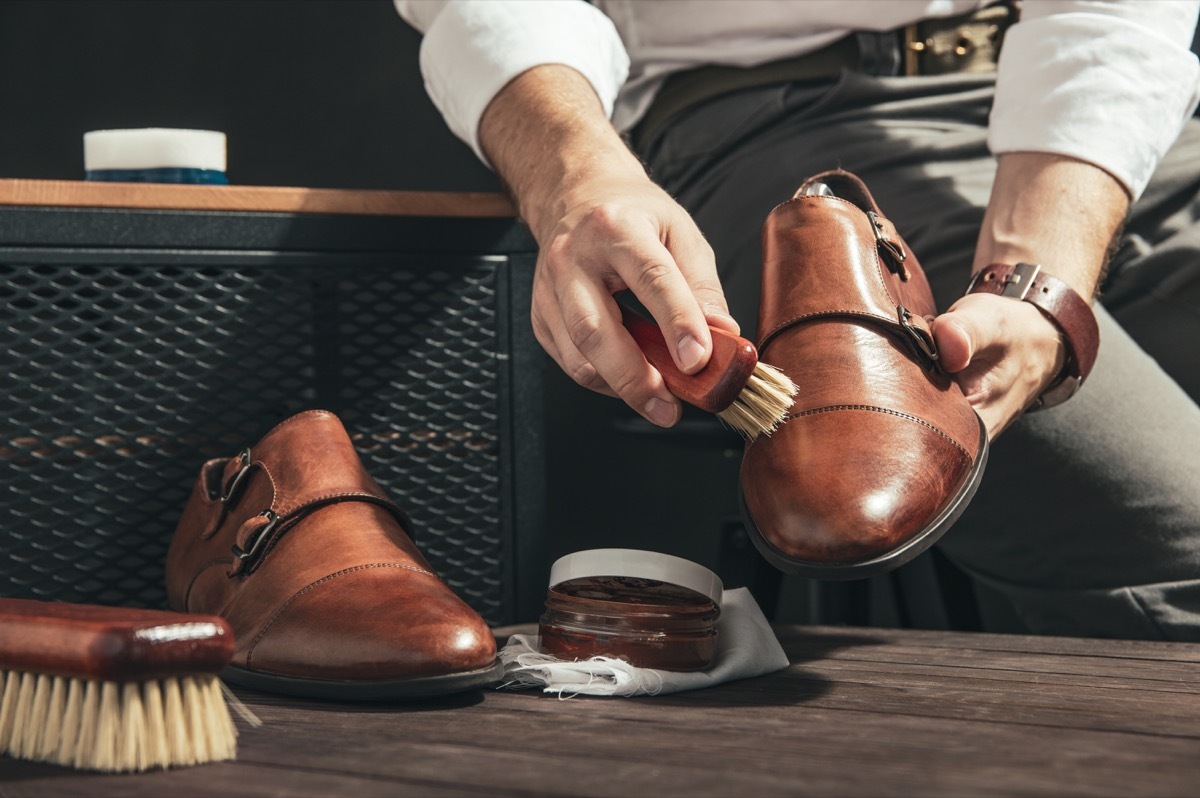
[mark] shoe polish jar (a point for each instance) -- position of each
(650, 609)
(155, 155)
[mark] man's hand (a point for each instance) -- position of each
(626, 234)
(1003, 353)
(1047, 209)
(602, 227)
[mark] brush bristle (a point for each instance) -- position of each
(112, 727)
(763, 404)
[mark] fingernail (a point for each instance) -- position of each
(690, 351)
(712, 311)
(660, 412)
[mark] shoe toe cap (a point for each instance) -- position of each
(849, 485)
(373, 623)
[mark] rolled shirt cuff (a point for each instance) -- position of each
(474, 48)
(1099, 88)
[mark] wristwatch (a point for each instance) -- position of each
(1066, 309)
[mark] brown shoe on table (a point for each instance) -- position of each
(299, 549)
(881, 451)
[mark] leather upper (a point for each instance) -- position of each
(879, 440)
(330, 584)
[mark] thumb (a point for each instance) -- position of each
(957, 340)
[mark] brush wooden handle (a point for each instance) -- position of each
(714, 387)
(110, 643)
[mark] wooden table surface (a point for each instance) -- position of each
(859, 712)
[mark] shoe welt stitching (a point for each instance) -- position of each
(271, 479)
(875, 409)
(305, 589)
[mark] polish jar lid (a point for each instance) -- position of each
(651, 609)
(155, 155)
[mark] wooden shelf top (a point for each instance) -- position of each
(260, 199)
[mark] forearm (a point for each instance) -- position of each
(602, 227)
(1051, 210)
(547, 136)
(1056, 211)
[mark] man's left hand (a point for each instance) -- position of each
(1004, 354)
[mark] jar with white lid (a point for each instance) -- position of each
(155, 155)
(653, 610)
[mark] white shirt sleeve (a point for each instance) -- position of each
(473, 48)
(1105, 81)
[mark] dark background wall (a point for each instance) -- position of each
(321, 93)
(328, 93)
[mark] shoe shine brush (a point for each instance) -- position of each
(112, 688)
(750, 396)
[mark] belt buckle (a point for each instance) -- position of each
(941, 45)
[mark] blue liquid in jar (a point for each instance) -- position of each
(170, 174)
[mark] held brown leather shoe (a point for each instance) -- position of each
(881, 451)
(299, 549)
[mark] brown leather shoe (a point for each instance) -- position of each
(313, 566)
(881, 452)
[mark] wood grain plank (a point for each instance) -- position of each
(461, 751)
(820, 639)
(894, 713)
(1173, 664)
(953, 694)
(261, 199)
(1172, 674)
(226, 779)
(1174, 679)
(669, 748)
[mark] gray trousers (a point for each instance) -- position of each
(1088, 518)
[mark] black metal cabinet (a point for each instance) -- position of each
(139, 343)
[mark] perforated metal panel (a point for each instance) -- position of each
(122, 374)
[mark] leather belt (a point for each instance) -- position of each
(969, 43)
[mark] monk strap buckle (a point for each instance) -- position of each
(263, 533)
(233, 486)
(923, 340)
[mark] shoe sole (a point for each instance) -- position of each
(918, 544)
(414, 689)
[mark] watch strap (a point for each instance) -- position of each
(1068, 311)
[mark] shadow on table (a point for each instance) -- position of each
(13, 770)
(791, 686)
(258, 700)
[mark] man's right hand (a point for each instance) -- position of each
(602, 227)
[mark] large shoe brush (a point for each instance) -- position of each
(749, 396)
(113, 689)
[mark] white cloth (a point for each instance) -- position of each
(1110, 82)
(746, 647)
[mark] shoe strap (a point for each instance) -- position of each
(304, 463)
(258, 534)
(833, 257)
